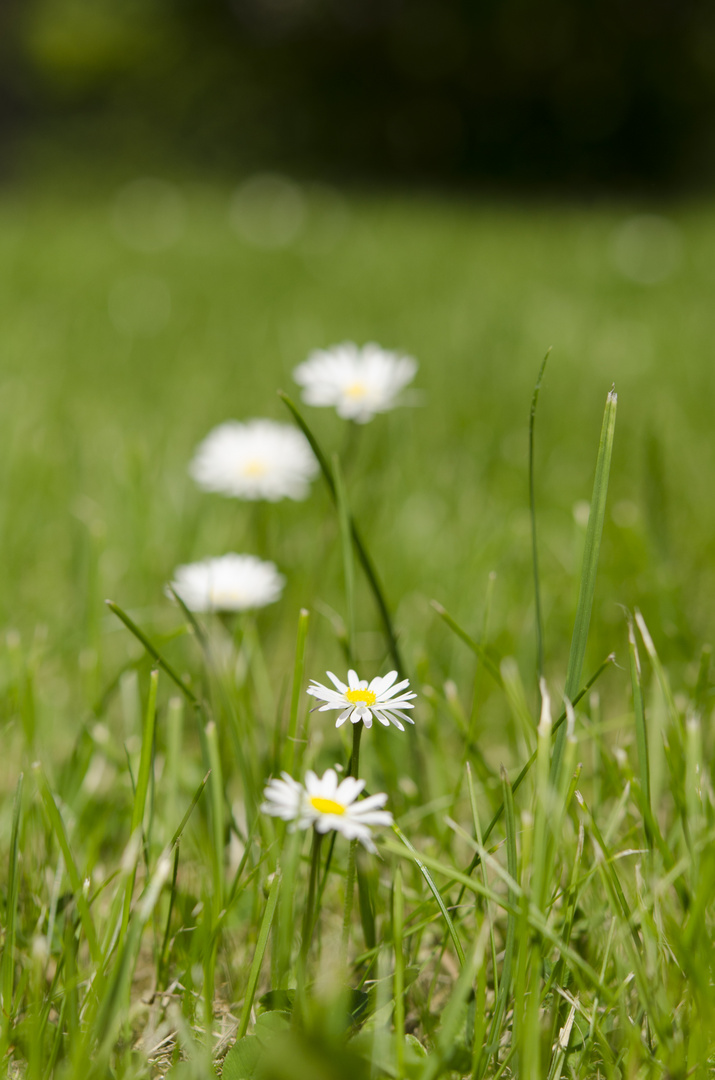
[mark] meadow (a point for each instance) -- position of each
(154, 921)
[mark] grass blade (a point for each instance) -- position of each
(525, 770)
(152, 650)
(398, 922)
(532, 511)
(505, 981)
(298, 670)
(76, 882)
(347, 550)
(362, 553)
(8, 956)
(587, 586)
(258, 955)
(434, 890)
(641, 732)
(142, 785)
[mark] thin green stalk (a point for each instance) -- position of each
(76, 882)
(347, 547)
(310, 915)
(8, 955)
(360, 548)
(259, 953)
(420, 862)
(153, 651)
(164, 950)
(142, 786)
(298, 670)
(398, 922)
(532, 511)
(505, 983)
(217, 822)
(478, 834)
(640, 721)
(525, 770)
(587, 586)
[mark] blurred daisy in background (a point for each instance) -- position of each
(258, 459)
(229, 583)
(382, 699)
(327, 804)
(358, 382)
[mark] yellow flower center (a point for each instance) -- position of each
(254, 467)
(356, 390)
(326, 806)
(360, 697)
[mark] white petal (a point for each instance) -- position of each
(336, 681)
(383, 683)
(343, 717)
(349, 789)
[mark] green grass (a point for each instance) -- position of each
(558, 926)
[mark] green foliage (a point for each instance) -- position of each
(521, 919)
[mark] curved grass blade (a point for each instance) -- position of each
(505, 981)
(257, 961)
(362, 553)
(434, 890)
(525, 770)
(8, 954)
(488, 657)
(152, 650)
(587, 587)
(142, 786)
(532, 511)
(298, 669)
(641, 732)
(76, 883)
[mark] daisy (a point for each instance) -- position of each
(258, 459)
(358, 701)
(359, 382)
(327, 804)
(229, 583)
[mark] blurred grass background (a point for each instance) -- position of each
(135, 319)
(195, 195)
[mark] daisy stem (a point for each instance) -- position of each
(353, 768)
(310, 916)
(349, 893)
(354, 763)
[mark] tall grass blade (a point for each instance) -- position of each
(347, 551)
(525, 770)
(8, 954)
(76, 883)
(589, 569)
(505, 981)
(532, 512)
(489, 658)
(362, 552)
(258, 955)
(152, 650)
(434, 890)
(142, 786)
(298, 670)
(641, 732)
(398, 923)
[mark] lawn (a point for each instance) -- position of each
(133, 319)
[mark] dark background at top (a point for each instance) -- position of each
(611, 95)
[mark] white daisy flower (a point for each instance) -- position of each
(229, 583)
(358, 701)
(359, 382)
(258, 459)
(327, 804)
